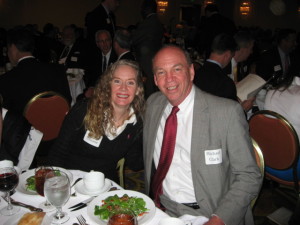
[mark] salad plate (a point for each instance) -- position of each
(24, 176)
(98, 201)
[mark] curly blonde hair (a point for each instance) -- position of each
(99, 114)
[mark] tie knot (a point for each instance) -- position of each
(175, 109)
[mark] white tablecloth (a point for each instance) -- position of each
(35, 200)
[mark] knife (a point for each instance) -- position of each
(30, 207)
(81, 204)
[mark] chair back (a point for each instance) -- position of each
(46, 112)
(120, 168)
(278, 141)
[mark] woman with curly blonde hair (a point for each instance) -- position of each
(98, 132)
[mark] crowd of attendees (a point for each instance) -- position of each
(119, 75)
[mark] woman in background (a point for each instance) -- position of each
(100, 131)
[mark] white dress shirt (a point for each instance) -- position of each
(178, 183)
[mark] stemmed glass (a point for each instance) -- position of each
(57, 190)
(9, 179)
(40, 174)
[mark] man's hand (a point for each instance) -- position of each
(248, 104)
(215, 220)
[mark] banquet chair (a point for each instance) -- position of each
(46, 112)
(120, 168)
(279, 143)
(259, 157)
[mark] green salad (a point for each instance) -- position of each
(137, 205)
(30, 182)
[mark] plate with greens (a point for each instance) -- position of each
(98, 210)
(27, 182)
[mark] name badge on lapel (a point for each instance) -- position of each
(92, 141)
(213, 156)
(74, 59)
(277, 68)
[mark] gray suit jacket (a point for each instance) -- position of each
(225, 189)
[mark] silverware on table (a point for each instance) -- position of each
(81, 204)
(30, 207)
(76, 181)
(81, 220)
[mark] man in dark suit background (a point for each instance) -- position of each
(147, 39)
(211, 77)
(73, 54)
(101, 58)
(277, 60)
(122, 44)
(101, 18)
(29, 77)
(238, 68)
(213, 24)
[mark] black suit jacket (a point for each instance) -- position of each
(212, 79)
(77, 56)
(129, 56)
(98, 19)
(242, 70)
(29, 78)
(94, 66)
(269, 64)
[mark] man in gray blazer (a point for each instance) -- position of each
(213, 171)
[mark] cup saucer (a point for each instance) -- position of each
(80, 188)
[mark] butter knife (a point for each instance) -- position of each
(30, 207)
(81, 204)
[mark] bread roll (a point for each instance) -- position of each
(32, 218)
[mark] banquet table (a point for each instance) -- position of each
(76, 83)
(35, 200)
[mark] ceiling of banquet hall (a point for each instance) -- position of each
(62, 12)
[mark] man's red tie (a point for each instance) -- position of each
(166, 155)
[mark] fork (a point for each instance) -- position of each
(81, 220)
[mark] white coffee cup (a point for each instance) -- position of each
(6, 163)
(171, 220)
(93, 181)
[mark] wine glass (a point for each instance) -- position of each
(9, 179)
(122, 217)
(40, 174)
(57, 190)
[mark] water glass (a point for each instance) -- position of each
(57, 190)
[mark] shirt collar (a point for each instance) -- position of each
(26, 57)
(213, 61)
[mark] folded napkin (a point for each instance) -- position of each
(194, 220)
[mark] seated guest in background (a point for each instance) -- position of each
(277, 60)
(19, 140)
(237, 69)
(29, 77)
(100, 131)
(101, 58)
(73, 54)
(122, 44)
(211, 77)
(207, 167)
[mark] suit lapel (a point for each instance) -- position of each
(199, 135)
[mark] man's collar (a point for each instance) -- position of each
(25, 57)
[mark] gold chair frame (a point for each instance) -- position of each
(259, 157)
(283, 159)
